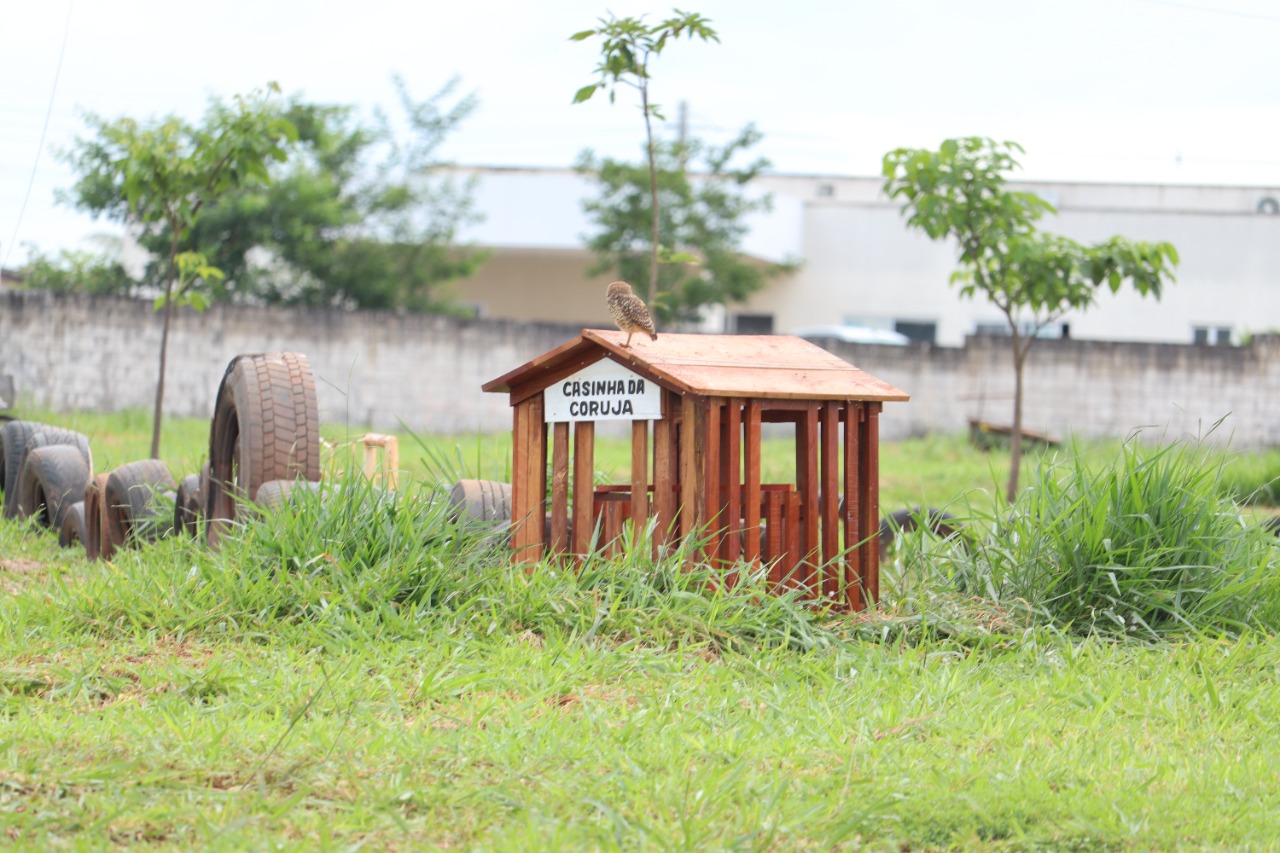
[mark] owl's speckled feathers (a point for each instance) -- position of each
(629, 311)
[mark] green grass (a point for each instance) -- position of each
(929, 471)
(364, 673)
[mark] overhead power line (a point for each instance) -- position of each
(44, 130)
(1212, 11)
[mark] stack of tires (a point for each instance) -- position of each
(265, 430)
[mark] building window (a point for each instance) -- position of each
(1000, 328)
(753, 324)
(1211, 335)
(917, 331)
(826, 190)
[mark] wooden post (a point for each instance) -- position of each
(664, 475)
(560, 489)
(731, 482)
(584, 486)
(529, 481)
(807, 486)
(870, 475)
(792, 572)
(751, 492)
(712, 512)
(830, 500)
(853, 574)
(391, 462)
(692, 452)
(639, 478)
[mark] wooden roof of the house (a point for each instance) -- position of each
(753, 366)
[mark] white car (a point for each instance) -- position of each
(853, 335)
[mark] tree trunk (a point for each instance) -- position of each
(158, 416)
(653, 200)
(1020, 351)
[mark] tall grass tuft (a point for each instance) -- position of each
(352, 562)
(1253, 479)
(1145, 546)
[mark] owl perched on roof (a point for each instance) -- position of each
(629, 311)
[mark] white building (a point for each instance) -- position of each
(860, 265)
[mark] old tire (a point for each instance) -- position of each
(266, 426)
(94, 512)
(53, 477)
(274, 494)
(72, 532)
(47, 435)
(942, 524)
(486, 502)
(13, 445)
(187, 506)
(130, 510)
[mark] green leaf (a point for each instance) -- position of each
(582, 36)
(585, 93)
(667, 256)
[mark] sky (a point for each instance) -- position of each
(1147, 91)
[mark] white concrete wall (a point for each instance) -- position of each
(380, 369)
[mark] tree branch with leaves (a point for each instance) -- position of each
(959, 192)
(161, 175)
(626, 49)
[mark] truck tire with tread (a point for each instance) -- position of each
(266, 426)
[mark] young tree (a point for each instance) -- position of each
(162, 174)
(77, 271)
(360, 216)
(700, 217)
(628, 45)
(959, 192)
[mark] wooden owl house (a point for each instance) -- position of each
(696, 406)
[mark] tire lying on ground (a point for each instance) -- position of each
(53, 477)
(188, 506)
(941, 523)
(94, 496)
(487, 502)
(48, 435)
(131, 509)
(72, 531)
(274, 494)
(13, 445)
(266, 426)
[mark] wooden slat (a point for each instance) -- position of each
(830, 500)
(870, 472)
(519, 488)
(584, 456)
(675, 405)
(529, 486)
(664, 497)
(751, 491)
(537, 476)
(611, 528)
(712, 511)
(774, 544)
(852, 518)
(560, 489)
(791, 565)
(692, 484)
(731, 472)
(807, 486)
(639, 478)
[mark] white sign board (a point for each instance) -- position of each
(604, 391)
